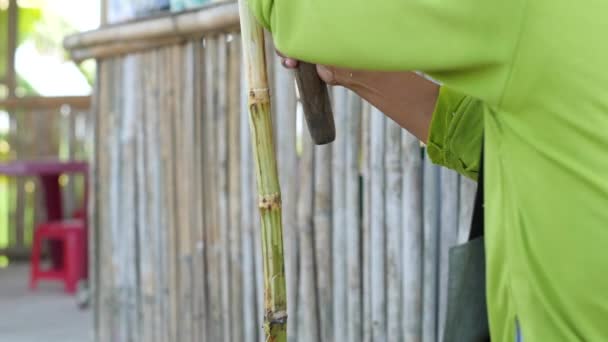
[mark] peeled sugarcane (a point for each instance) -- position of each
(320, 121)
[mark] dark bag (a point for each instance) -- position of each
(467, 314)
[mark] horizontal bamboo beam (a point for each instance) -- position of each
(39, 102)
(121, 48)
(153, 32)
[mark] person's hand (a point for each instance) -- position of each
(329, 75)
(409, 99)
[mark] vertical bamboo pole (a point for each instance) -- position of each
(448, 235)
(164, 259)
(146, 242)
(165, 266)
(352, 201)
(284, 100)
(411, 243)
(392, 166)
(197, 228)
(221, 143)
(377, 227)
(118, 317)
(212, 249)
(339, 220)
(103, 270)
(322, 235)
(93, 201)
(307, 312)
(248, 242)
(155, 244)
(466, 202)
(252, 35)
(171, 193)
(126, 225)
(431, 255)
(235, 168)
(184, 138)
(366, 218)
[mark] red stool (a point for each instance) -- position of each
(72, 235)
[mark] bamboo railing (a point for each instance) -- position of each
(38, 127)
(177, 246)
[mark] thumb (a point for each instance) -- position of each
(327, 74)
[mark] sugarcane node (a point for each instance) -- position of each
(271, 201)
(278, 317)
(261, 95)
(316, 104)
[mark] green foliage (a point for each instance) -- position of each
(47, 30)
(28, 17)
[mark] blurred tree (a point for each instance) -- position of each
(47, 30)
(28, 17)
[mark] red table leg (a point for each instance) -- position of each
(54, 211)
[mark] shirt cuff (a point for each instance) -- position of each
(456, 132)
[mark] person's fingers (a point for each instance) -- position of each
(289, 63)
(327, 74)
(336, 76)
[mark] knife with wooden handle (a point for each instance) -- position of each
(315, 102)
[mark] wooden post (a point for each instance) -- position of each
(13, 24)
(17, 234)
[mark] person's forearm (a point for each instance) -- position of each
(407, 98)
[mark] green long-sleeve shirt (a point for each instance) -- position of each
(537, 72)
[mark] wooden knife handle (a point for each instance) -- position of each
(316, 104)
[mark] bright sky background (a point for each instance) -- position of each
(83, 14)
(52, 75)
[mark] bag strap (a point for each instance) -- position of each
(477, 225)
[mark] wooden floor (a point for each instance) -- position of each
(47, 315)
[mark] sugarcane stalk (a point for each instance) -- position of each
(275, 303)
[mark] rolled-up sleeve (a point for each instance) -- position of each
(456, 132)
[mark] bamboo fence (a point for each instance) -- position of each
(176, 239)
